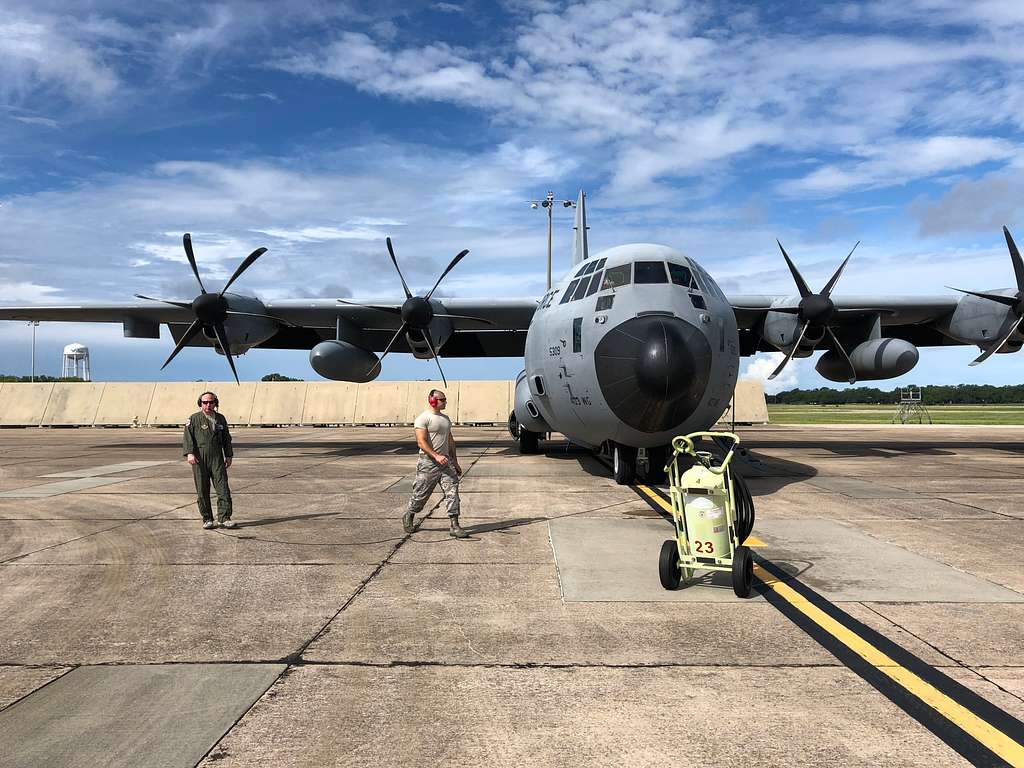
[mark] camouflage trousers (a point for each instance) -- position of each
(428, 474)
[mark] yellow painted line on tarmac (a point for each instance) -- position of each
(752, 541)
(1007, 748)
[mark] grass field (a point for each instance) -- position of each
(883, 414)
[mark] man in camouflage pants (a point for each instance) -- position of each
(207, 447)
(438, 463)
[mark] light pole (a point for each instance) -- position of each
(34, 324)
(549, 203)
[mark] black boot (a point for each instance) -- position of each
(455, 531)
(408, 524)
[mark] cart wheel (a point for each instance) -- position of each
(742, 571)
(668, 564)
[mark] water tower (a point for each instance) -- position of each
(76, 362)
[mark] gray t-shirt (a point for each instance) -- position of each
(438, 427)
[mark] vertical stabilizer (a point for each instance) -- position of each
(580, 250)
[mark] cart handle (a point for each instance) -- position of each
(684, 444)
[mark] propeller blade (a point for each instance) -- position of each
(430, 346)
(182, 304)
(394, 260)
(467, 317)
(222, 337)
(792, 351)
(1018, 265)
(995, 347)
(827, 290)
(846, 357)
(185, 339)
(242, 267)
(387, 349)
(280, 320)
(389, 310)
(801, 284)
(459, 257)
(1008, 301)
(187, 240)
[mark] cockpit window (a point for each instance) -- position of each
(681, 275)
(650, 272)
(587, 268)
(595, 283)
(569, 291)
(600, 263)
(615, 277)
(581, 289)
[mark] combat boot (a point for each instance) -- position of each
(456, 531)
(407, 522)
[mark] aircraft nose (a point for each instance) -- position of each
(653, 371)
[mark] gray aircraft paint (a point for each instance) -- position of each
(572, 401)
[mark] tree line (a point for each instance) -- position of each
(955, 394)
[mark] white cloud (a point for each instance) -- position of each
(900, 162)
(761, 365)
(44, 121)
(36, 52)
(22, 292)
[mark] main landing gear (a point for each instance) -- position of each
(627, 467)
(623, 463)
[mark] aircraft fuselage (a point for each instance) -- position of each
(635, 346)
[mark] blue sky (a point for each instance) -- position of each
(317, 128)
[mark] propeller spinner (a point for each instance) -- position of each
(416, 311)
(814, 309)
(1015, 302)
(211, 310)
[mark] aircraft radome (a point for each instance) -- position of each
(637, 343)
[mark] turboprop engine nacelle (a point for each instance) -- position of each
(524, 408)
(780, 330)
(872, 360)
(341, 361)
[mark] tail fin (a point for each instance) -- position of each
(580, 250)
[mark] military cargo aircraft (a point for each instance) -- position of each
(635, 345)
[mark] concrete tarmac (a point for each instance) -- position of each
(319, 633)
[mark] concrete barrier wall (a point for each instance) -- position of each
(124, 404)
(299, 402)
(485, 402)
(383, 402)
(23, 405)
(749, 402)
(277, 402)
(72, 403)
(330, 402)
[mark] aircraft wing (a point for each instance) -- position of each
(912, 318)
(313, 320)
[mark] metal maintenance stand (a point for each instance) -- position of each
(911, 408)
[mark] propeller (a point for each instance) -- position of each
(416, 311)
(210, 310)
(814, 310)
(1015, 302)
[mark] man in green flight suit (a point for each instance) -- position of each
(207, 447)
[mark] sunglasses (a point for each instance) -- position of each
(208, 402)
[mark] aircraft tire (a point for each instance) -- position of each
(656, 457)
(668, 565)
(528, 441)
(742, 571)
(623, 464)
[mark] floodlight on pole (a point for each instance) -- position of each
(549, 203)
(34, 324)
